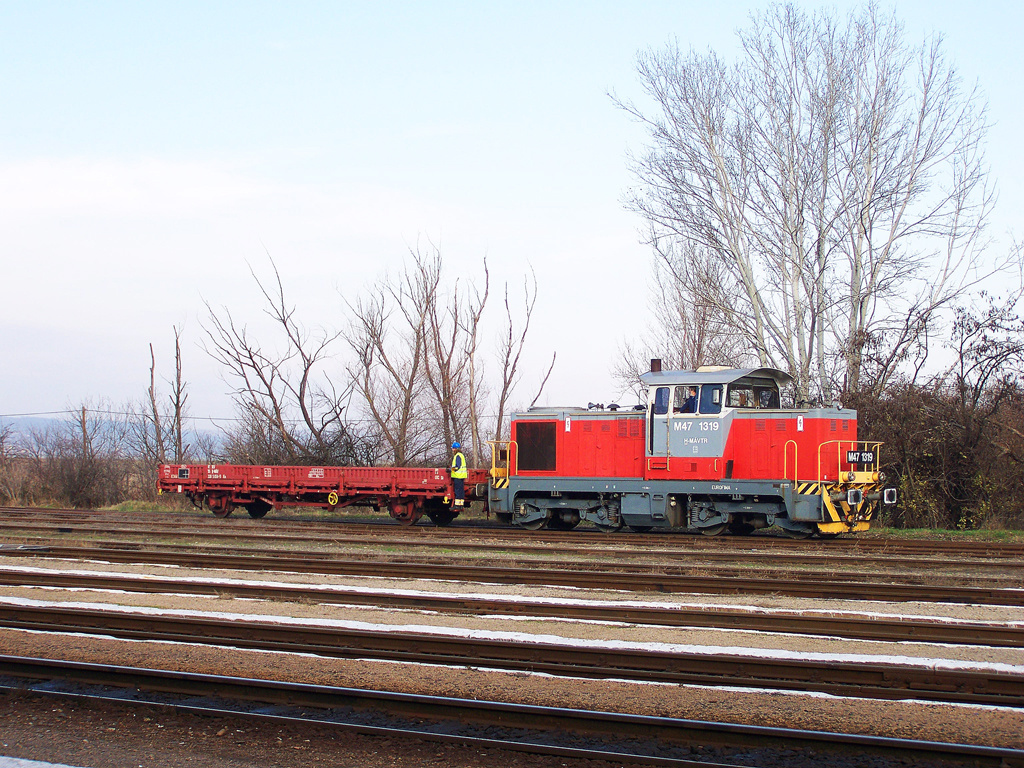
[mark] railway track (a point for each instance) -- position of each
(831, 675)
(400, 536)
(385, 527)
(541, 730)
(824, 624)
(614, 576)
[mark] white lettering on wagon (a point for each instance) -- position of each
(316, 472)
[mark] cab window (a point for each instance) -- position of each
(711, 398)
(741, 396)
(753, 393)
(685, 400)
(767, 397)
(661, 395)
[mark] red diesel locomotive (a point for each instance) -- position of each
(710, 450)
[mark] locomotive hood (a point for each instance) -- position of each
(714, 376)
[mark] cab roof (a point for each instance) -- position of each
(717, 376)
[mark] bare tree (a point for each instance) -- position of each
(289, 393)
(84, 460)
(470, 324)
(834, 176)
(14, 485)
(510, 352)
(390, 362)
(688, 329)
(179, 397)
(418, 368)
(157, 420)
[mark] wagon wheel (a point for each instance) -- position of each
(404, 512)
(441, 517)
(221, 506)
(714, 530)
(258, 508)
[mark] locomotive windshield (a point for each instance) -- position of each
(753, 393)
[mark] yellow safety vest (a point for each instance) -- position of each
(459, 470)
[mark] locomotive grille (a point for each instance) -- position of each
(536, 441)
(630, 427)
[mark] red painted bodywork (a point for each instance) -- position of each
(309, 485)
(760, 445)
(598, 445)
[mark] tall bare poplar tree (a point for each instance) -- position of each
(825, 195)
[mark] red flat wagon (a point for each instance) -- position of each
(407, 493)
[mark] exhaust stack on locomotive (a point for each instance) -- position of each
(710, 449)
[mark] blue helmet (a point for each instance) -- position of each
(456, 445)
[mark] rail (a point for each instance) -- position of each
(526, 728)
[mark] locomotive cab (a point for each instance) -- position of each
(689, 413)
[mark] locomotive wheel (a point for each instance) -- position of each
(741, 529)
(714, 530)
(558, 524)
(640, 528)
(801, 534)
(608, 528)
(533, 525)
(824, 535)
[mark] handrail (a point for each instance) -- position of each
(495, 451)
(869, 445)
(796, 460)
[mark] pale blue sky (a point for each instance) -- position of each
(149, 151)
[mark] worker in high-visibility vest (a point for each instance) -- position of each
(459, 474)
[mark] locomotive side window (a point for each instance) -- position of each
(711, 398)
(684, 400)
(536, 443)
(741, 396)
(753, 393)
(661, 401)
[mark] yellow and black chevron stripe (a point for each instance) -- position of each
(500, 482)
(808, 489)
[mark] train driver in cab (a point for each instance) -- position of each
(690, 406)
